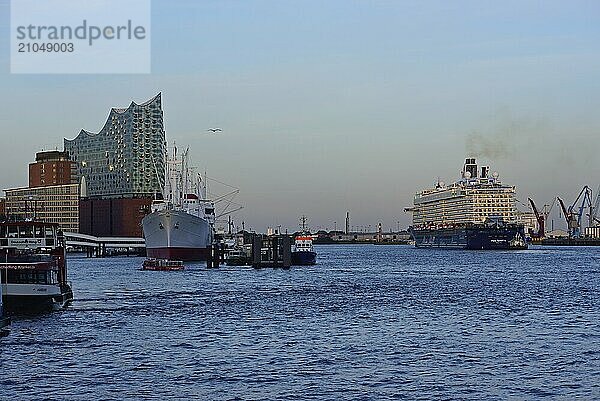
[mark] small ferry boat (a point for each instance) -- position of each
(162, 265)
(33, 267)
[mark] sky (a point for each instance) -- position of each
(344, 105)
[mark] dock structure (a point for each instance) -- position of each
(216, 255)
(99, 246)
(271, 251)
(569, 241)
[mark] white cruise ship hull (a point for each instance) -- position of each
(176, 235)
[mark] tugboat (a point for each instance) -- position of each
(33, 267)
(304, 253)
(162, 265)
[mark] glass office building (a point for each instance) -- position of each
(126, 158)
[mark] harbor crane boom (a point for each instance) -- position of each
(574, 213)
(540, 220)
(571, 223)
(595, 219)
(547, 209)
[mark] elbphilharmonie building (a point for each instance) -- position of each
(126, 158)
(120, 169)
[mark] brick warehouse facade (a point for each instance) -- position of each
(119, 217)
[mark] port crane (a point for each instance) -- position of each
(574, 213)
(541, 216)
(541, 232)
(595, 220)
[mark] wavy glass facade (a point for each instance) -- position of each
(126, 159)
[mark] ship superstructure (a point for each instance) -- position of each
(303, 253)
(476, 212)
(33, 267)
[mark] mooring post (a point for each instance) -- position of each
(287, 251)
(275, 245)
(209, 259)
(216, 256)
(222, 247)
(256, 248)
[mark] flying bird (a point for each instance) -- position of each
(214, 130)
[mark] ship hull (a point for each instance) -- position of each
(56, 298)
(304, 258)
(176, 235)
(178, 253)
(474, 238)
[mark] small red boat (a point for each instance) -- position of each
(162, 264)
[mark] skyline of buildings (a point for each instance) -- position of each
(52, 194)
(102, 183)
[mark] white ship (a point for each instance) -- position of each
(476, 212)
(181, 225)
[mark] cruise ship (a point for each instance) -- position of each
(181, 224)
(476, 212)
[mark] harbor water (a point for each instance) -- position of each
(366, 323)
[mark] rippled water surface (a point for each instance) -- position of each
(366, 323)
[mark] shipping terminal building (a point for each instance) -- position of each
(103, 183)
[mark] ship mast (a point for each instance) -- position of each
(303, 222)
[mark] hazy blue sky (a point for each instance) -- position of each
(328, 106)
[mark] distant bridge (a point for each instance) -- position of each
(99, 245)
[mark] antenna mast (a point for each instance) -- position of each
(303, 222)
